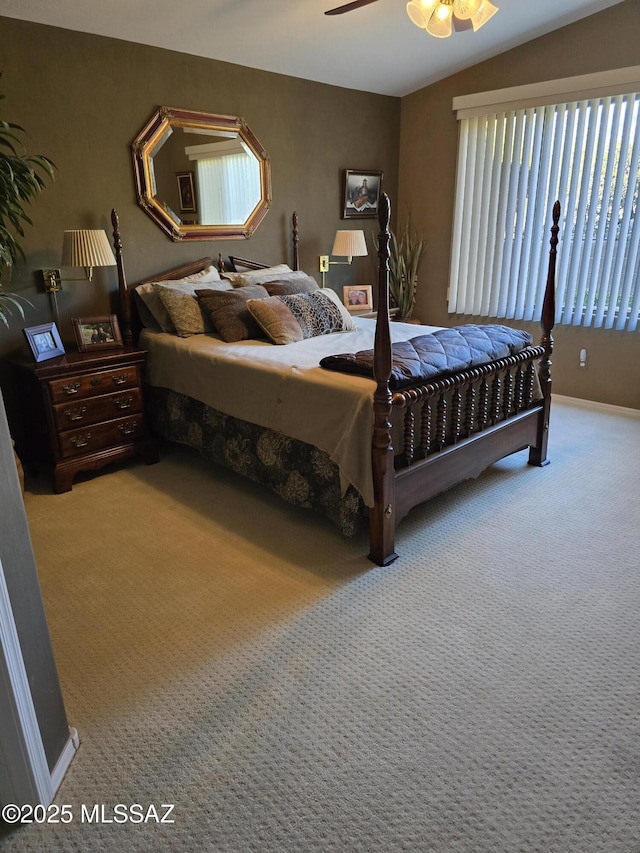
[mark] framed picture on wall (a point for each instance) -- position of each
(97, 332)
(44, 341)
(186, 191)
(361, 194)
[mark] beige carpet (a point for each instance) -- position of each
(240, 659)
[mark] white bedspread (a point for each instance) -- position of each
(282, 388)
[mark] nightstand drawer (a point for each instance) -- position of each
(91, 410)
(90, 384)
(98, 436)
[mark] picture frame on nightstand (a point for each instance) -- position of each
(97, 333)
(358, 298)
(44, 341)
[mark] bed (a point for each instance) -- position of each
(337, 422)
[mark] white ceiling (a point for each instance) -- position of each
(373, 49)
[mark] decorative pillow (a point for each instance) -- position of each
(287, 319)
(204, 277)
(287, 287)
(146, 294)
(242, 279)
(183, 308)
(228, 311)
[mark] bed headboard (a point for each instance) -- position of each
(127, 314)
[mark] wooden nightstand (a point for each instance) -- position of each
(84, 410)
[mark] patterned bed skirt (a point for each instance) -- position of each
(299, 473)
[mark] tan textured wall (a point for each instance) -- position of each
(84, 98)
(428, 150)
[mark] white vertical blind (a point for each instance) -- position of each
(224, 188)
(512, 166)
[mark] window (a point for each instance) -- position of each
(512, 165)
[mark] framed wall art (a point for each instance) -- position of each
(186, 192)
(361, 194)
(97, 332)
(44, 341)
(357, 298)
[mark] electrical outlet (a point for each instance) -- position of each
(583, 358)
(324, 263)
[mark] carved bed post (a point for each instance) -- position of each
(382, 516)
(295, 239)
(124, 307)
(538, 454)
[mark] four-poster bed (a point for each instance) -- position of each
(324, 438)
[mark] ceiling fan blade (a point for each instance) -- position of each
(340, 10)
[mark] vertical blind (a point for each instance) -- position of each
(224, 188)
(512, 166)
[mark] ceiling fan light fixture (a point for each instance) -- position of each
(485, 12)
(419, 11)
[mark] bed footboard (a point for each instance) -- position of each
(459, 424)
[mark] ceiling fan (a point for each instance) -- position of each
(437, 17)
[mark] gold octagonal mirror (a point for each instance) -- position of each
(201, 176)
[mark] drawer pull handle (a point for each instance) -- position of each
(71, 389)
(81, 440)
(121, 379)
(76, 414)
(123, 402)
(96, 380)
(128, 428)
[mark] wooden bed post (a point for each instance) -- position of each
(295, 239)
(538, 454)
(126, 324)
(382, 520)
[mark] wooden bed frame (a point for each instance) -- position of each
(454, 427)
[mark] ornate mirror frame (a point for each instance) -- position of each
(149, 141)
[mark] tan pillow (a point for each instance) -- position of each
(256, 276)
(147, 295)
(183, 308)
(228, 312)
(288, 319)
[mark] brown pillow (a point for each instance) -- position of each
(288, 287)
(228, 312)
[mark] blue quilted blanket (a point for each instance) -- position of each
(444, 351)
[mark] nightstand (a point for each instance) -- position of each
(82, 411)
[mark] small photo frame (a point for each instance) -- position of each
(361, 194)
(44, 341)
(358, 298)
(97, 332)
(186, 192)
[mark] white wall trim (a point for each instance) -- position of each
(620, 81)
(594, 404)
(26, 778)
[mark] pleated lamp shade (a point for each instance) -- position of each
(349, 244)
(86, 249)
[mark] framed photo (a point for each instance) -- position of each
(97, 332)
(186, 192)
(358, 298)
(361, 194)
(44, 341)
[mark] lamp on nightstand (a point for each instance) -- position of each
(80, 248)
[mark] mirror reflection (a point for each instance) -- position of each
(201, 175)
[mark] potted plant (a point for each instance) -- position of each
(405, 256)
(21, 180)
